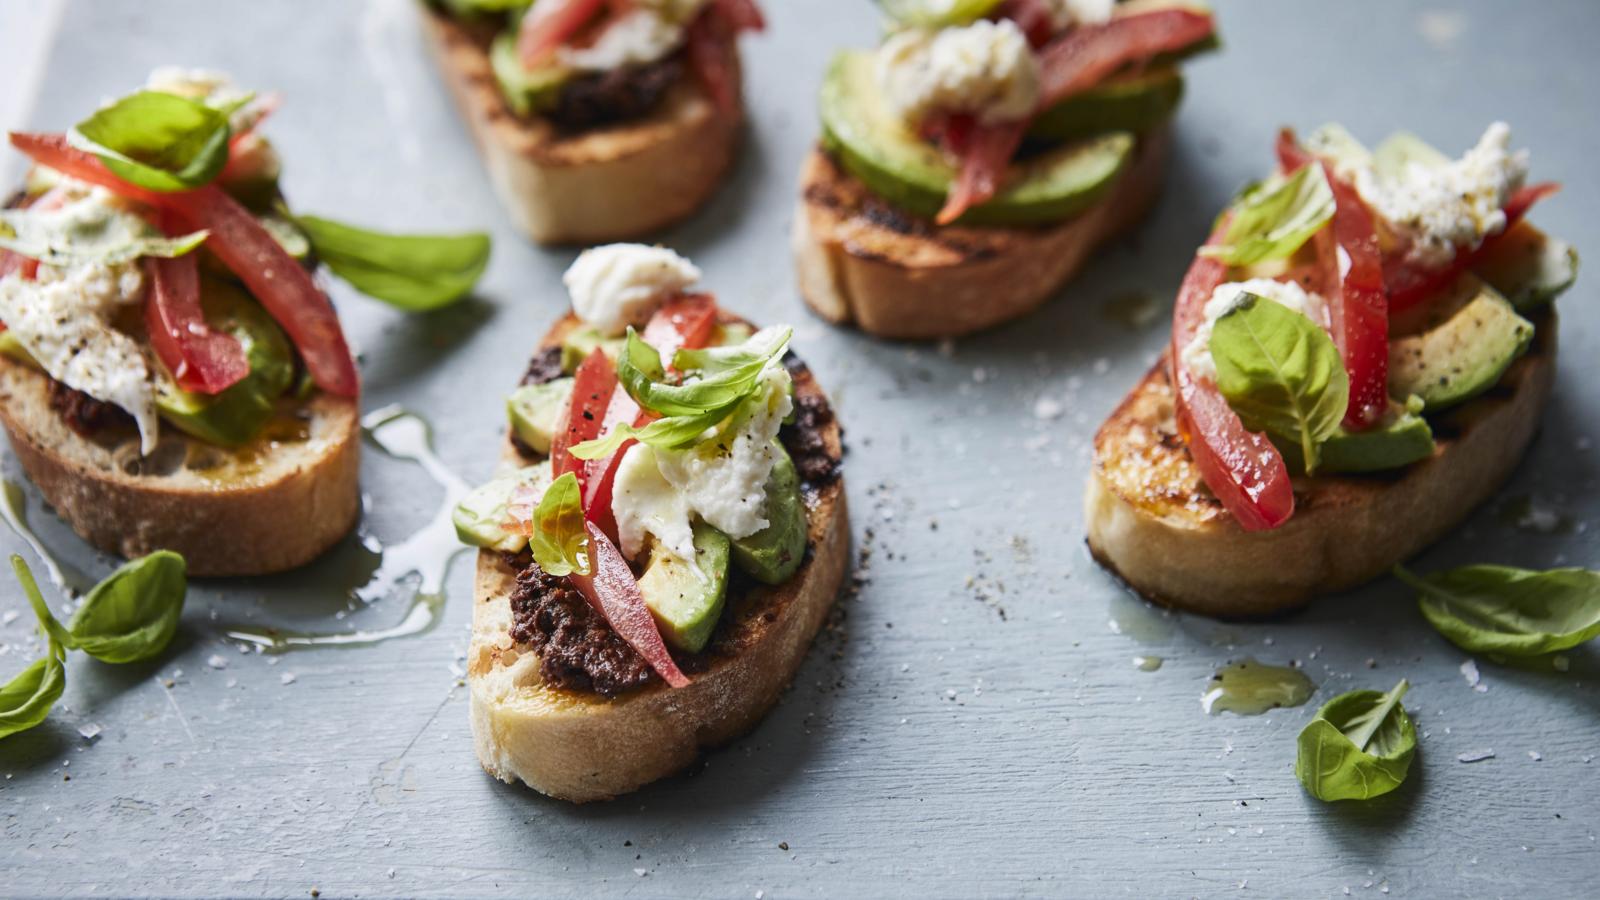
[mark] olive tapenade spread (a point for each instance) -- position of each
(617, 95)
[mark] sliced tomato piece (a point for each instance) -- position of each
(686, 321)
(1242, 468)
(1410, 284)
(709, 54)
(24, 266)
(1352, 283)
(743, 15)
(593, 384)
(548, 25)
(271, 274)
(201, 359)
(614, 593)
(1033, 17)
(1075, 62)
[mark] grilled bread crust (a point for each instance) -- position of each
(606, 184)
(272, 505)
(894, 275)
(1152, 521)
(582, 747)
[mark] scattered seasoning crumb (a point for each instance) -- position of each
(315, 892)
(1469, 671)
(1048, 407)
(217, 661)
(641, 872)
(1472, 756)
(233, 682)
(9, 617)
(1535, 755)
(288, 678)
(89, 732)
(1560, 662)
(390, 873)
(783, 845)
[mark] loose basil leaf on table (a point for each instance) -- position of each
(1273, 219)
(414, 272)
(1281, 373)
(26, 700)
(52, 628)
(132, 615)
(1359, 746)
(1510, 611)
(560, 543)
(158, 141)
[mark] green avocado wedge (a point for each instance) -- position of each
(874, 145)
(1401, 439)
(772, 554)
(686, 600)
(529, 92)
(535, 411)
(1135, 102)
(238, 414)
(1458, 348)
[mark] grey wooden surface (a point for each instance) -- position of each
(975, 726)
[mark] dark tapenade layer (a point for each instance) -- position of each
(619, 95)
(85, 415)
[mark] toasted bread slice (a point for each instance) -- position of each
(582, 747)
(607, 184)
(272, 505)
(1152, 521)
(895, 275)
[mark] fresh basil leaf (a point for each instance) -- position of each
(714, 378)
(1281, 373)
(668, 433)
(109, 240)
(158, 141)
(133, 614)
(1514, 612)
(48, 623)
(560, 543)
(1274, 219)
(26, 700)
(1359, 746)
(413, 272)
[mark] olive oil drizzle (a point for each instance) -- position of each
(1250, 688)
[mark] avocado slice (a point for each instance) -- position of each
(1135, 102)
(1399, 151)
(1458, 347)
(535, 410)
(773, 554)
(238, 414)
(1529, 267)
(528, 91)
(1335, 142)
(874, 145)
(686, 600)
(582, 341)
(1402, 438)
(481, 516)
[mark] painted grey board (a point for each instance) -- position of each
(931, 745)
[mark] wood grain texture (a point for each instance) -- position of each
(1056, 768)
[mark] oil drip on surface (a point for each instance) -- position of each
(15, 511)
(421, 560)
(1250, 688)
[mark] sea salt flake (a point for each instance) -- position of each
(1469, 671)
(1535, 755)
(9, 617)
(89, 732)
(1048, 408)
(288, 678)
(217, 661)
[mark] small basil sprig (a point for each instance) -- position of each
(416, 273)
(157, 140)
(560, 543)
(1359, 746)
(1273, 219)
(1509, 611)
(718, 381)
(116, 239)
(128, 617)
(1281, 373)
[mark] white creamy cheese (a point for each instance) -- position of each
(646, 504)
(723, 479)
(64, 321)
(986, 68)
(642, 35)
(1453, 207)
(618, 285)
(1196, 355)
(1066, 13)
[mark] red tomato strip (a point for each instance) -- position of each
(593, 384)
(1072, 64)
(1410, 284)
(614, 593)
(201, 359)
(708, 40)
(1242, 468)
(1352, 284)
(25, 267)
(271, 274)
(686, 321)
(743, 15)
(548, 25)
(1033, 17)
